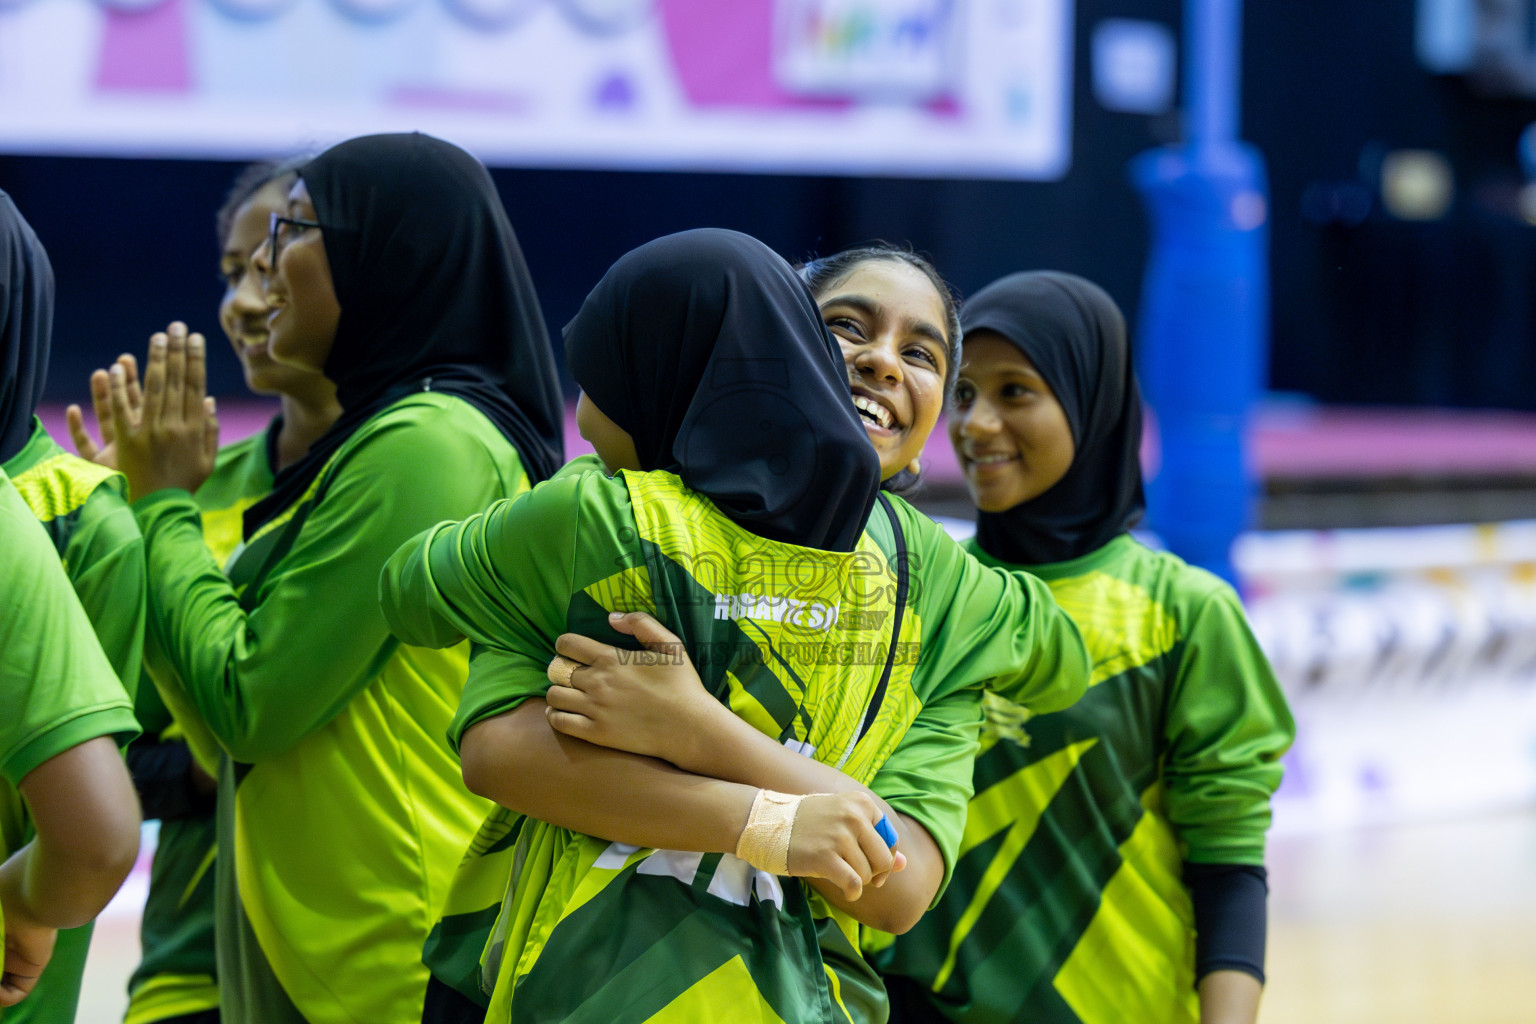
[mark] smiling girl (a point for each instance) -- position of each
(394, 273)
(177, 977)
(624, 884)
(896, 323)
(1112, 867)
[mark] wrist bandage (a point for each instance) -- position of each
(764, 843)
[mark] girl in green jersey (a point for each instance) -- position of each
(65, 713)
(1112, 864)
(83, 509)
(176, 981)
(1167, 640)
(844, 647)
(394, 272)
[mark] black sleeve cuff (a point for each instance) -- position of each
(162, 773)
(1230, 917)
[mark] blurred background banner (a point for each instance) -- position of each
(954, 88)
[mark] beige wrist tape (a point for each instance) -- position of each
(764, 843)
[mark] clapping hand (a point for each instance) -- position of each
(166, 434)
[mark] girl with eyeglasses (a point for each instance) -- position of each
(393, 272)
(176, 981)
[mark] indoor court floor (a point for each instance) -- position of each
(1409, 924)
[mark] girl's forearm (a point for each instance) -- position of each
(729, 748)
(1229, 997)
(519, 761)
(907, 894)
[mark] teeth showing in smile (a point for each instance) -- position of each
(873, 411)
(990, 460)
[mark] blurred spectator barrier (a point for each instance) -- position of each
(1410, 659)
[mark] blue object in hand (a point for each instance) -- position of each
(886, 830)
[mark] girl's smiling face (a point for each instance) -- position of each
(890, 321)
(243, 310)
(1010, 433)
(304, 310)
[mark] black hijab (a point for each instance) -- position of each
(709, 350)
(434, 296)
(1074, 334)
(27, 306)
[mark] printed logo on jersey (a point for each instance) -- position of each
(791, 611)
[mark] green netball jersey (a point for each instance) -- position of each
(554, 925)
(178, 974)
(57, 687)
(344, 811)
(1067, 904)
(84, 510)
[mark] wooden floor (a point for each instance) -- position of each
(1425, 924)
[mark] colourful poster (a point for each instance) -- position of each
(969, 88)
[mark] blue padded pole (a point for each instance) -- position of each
(1213, 40)
(1202, 338)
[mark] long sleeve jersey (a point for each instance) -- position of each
(346, 811)
(178, 974)
(1067, 904)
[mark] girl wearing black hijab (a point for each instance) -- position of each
(177, 977)
(1135, 886)
(736, 502)
(82, 505)
(85, 513)
(396, 274)
(898, 326)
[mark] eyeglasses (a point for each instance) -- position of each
(284, 230)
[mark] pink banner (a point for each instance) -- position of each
(145, 50)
